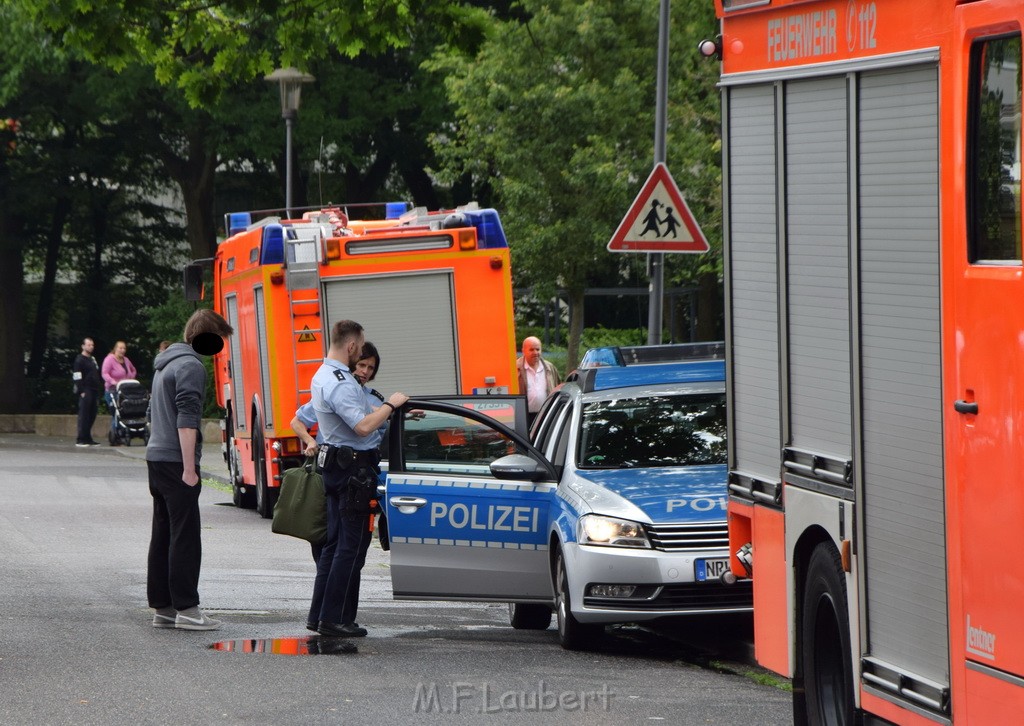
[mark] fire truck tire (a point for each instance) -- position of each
(244, 497)
(527, 616)
(572, 634)
(264, 504)
(825, 643)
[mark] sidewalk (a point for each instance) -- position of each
(212, 466)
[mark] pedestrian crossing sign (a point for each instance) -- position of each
(659, 220)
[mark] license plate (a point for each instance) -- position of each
(710, 569)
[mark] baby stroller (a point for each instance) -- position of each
(131, 406)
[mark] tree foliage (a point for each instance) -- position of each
(555, 113)
(203, 47)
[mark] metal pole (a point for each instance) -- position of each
(656, 260)
(289, 121)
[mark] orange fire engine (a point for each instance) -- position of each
(433, 291)
(875, 327)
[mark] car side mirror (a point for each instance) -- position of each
(518, 466)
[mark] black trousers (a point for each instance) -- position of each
(88, 404)
(339, 569)
(175, 549)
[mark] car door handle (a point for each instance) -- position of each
(962, 406)
(407, 505)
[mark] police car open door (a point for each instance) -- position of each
(468, 502)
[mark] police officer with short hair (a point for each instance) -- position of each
(349, 461)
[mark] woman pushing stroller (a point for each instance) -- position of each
(116, 368)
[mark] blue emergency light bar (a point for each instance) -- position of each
(627, 355)
(489, 232)
(649, 365)
(654, 374)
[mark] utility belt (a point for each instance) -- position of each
(356, 477)
(343, 457)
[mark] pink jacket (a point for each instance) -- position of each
(114, 372)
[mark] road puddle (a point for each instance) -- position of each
(288, 646)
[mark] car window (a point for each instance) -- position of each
(662, 430)
(551, 434)
(546, 420)
(439, 441)
(560, 439)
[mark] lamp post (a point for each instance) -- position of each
(290, 80)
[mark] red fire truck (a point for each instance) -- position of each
(875, 333)
(433, 291)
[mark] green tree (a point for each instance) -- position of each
(556, 114)
(204, 48)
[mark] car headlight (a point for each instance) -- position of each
(595, 529)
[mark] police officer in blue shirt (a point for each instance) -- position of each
(349, 460)
(305, 419)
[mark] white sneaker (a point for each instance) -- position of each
(203, 622)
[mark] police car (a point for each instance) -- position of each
(611, 510)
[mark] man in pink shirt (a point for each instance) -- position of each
(537, 377)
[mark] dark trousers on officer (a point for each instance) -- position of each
(339, 569)
(175, 549)
(87, 408)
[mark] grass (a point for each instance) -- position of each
(218, 485)
(757, 675)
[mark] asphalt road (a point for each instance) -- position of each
(76, 645)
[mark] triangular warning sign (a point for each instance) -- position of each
(658, 220)
(306, 336)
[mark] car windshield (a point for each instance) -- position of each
(666, 430)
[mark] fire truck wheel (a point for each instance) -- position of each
(264, 505)
(524, 616)
(825, 641)
(572, 634)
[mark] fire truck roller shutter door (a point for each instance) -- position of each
(411, 320)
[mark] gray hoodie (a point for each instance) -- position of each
(176, 402)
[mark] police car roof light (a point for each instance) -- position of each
(645, 354)
(654, 374)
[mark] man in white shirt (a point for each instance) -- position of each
(537, 377)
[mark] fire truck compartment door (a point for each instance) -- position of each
(456, 530)
(410, 317)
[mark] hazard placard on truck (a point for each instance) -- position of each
(433, 291)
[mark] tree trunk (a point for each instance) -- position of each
(419, 183)
(41, 326)
(200, 225)
(709, 308)
(195, 177)
(12, 340)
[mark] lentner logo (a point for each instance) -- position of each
(980, 642)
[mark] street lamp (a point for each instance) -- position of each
(290, 80)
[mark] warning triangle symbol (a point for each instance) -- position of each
(306, 336)
(659, 220)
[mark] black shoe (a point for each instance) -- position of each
(340, 630)
(311, 625)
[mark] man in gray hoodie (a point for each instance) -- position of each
(175, 445)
